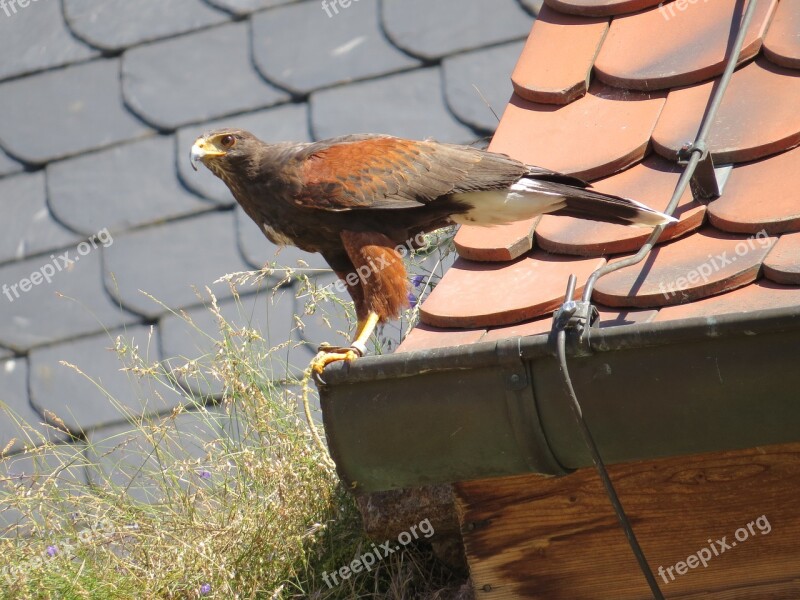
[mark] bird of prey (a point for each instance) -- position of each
(356, 199)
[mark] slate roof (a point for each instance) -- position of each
(100, 101)
(610, 90)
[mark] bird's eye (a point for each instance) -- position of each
(227, 141)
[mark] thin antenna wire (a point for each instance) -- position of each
(486, 102)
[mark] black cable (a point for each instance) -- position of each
(699, 151)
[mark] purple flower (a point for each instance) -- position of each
(417, 280)
(412, 300)
(52, 551)
(205, 589)
(203, 474)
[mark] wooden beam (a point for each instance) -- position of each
(558, 538)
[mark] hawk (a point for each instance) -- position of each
(356, 199)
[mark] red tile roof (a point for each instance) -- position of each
(614, 104)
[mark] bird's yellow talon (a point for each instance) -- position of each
(324, 358)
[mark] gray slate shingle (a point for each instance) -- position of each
(122, 187)
(33, 229)
(119, 24)
(65, 112)
(278, 124)
(5, 353)
(244, 7)
(18, 420)
(36, 38)
(169, 260)
(114, 396)
(8, 166)
(434, 29)
(347, 47)
(407, 105)
(72, 305)
(196, 77)
(488, 70)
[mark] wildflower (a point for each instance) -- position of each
(52, 551)
(412, 300)
(205, 589)
(417, 280)
(203, 474)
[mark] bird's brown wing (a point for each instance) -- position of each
(383, 172)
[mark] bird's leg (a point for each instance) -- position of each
(329, 354)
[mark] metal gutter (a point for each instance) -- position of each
(499, 408)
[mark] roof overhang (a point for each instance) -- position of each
(499, 408)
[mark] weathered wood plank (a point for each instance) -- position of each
(558, 538)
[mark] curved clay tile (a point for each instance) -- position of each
(495, 244)
(600, 8)
(669, 46)
(783, 263)
(782, 44)
(424, 337)
(604, 132)
(758, 116)
(763, 295)
(542, 75)
(761, 195)
(701, 265)
(472, 295)
(651, 182)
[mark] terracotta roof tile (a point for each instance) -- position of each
(782, 44)
(763, 295)
(608, 133)
(528, 287)
(542, 75)
(602, 133)
(706, 263)
(600, 7)
(761, 195)
(783, 263)
(758, 116)
(663, 48)
(425, 337)
(652, 182)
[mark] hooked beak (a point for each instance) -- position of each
(201, 150)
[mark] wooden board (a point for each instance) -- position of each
(558, 538)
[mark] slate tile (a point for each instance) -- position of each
(8, 166)
(37, 38)
(196, 338)
(18, 419)
(346, 47)
(661, 49)
(487, 70)
(762, 295)
(701, 265)
(129, 460)
(172, 262)
(73, 304)
(431, 30)
(105, 393)
(542, 75)
(406, 105)
(244, 7)
(119, 24)
(533, 6)
(757, 117)
(604, 132)
(782, 265)
(258, 251)
(65, 463)
(474, 295)
(5, 353)
(760, 195)
(32, 229)
(123, 187)
(279, 124)
(195, 77)
(65, 112)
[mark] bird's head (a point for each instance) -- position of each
(224, 151)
